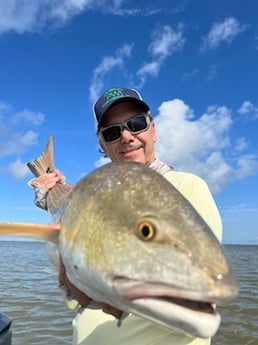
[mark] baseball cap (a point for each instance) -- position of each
(114, 96)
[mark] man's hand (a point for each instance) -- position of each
(48, 180)
(81, 297)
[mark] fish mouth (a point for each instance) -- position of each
(203, 307)
(169, 307)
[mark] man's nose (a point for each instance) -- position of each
(126, 135)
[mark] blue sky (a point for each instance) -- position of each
(194, 61)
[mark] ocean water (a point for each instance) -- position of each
(29, 295)
(240, 319)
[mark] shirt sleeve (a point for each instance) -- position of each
(40, 199)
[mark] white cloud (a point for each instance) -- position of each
(247, 108)
(241, 144)
(216, 170)
(17, 143)
(149, 69)
(189, 138)
(31, 16)
(108, 65)
(213, 70)
(221, 32)
(202, 144)
(9, 117)
(13, 141)
(18, 169)
(165, 42)
(22, 16)
(101, 161)
(241, 208)
(247, 165)
(189, 75)
(28, 116)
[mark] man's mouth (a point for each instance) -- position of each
(130, 150)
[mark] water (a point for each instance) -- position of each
(29, 295)
(240, 319)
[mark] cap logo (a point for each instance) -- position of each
(112, 95)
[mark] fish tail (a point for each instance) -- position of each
(45, 162)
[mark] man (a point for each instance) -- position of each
(126, 132)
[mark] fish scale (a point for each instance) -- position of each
(130, 239)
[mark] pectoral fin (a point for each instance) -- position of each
(44, 232)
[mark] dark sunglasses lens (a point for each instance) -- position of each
(111, 133)
(137, 124)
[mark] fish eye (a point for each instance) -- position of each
(146, 230)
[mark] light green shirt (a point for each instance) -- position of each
(196, 190)
(93, 327)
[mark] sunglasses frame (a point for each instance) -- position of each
(123, 125)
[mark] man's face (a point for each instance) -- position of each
(130, 147)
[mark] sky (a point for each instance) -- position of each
(194, 62)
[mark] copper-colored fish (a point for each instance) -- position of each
(128, 238)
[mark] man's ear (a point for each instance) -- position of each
(102, 149)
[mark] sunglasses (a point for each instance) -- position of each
(134, 125)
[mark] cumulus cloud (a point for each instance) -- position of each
(202, 144)
(13, 141)
(248, 108)
(17, 143)
(247, 165)
(222, 32)
(18, 169)
(102, 161)
(241, 144)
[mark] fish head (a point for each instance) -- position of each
(130, 239)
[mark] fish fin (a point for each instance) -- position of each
(69, 299)
(122, 317)
(45, 232)
(45, 162)
(57, 195)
